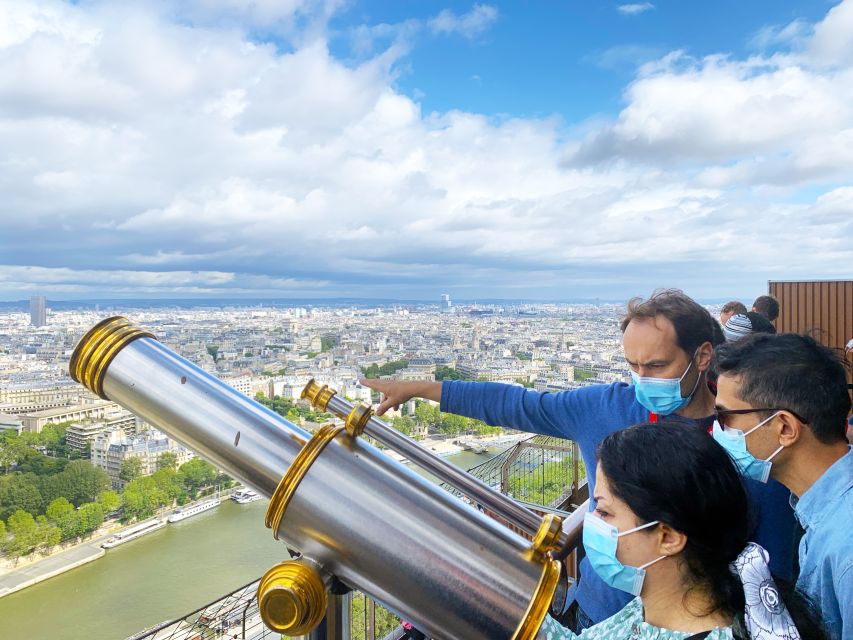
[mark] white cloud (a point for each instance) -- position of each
(140, 153)
(470, 25)
(635, 8)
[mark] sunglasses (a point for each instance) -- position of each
(722, 415)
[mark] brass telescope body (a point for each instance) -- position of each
(350, 510)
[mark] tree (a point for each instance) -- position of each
(2, 535)
(197, 473)
(142, 498)
(91, 517)
(213, 350)
(63, 514)
(24, 532)
(46, 535)
(109, 501)
(80, 482)
(20, 491)
(167, 460)
(131, 468)
(427, 415)
(327, 343)
(12, 449)
(448, 373)
(404, 425)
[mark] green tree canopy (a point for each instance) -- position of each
(109, 501)
(198, 473)
(20, 491)
(377, 371)
(24, 532)
(142, 498)
(131, 468)
(167, 460)
(80, 482)
(91, 517)
(63, 514)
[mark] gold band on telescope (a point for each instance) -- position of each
(547, 538)
(97, 349)
(540, 602)
(318, 395)
(286, 488)
(357, 419)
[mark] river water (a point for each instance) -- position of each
(158, 577)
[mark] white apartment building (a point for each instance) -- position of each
(111, 448)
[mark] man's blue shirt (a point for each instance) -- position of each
(826, 550)
(587, 416)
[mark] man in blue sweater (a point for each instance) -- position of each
(668, 342)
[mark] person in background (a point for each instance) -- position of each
(743, 324)
(668, 341)
(782, 406)
(767, 306)
(670, 528)
(731, 308)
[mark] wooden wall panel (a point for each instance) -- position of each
(822, 308)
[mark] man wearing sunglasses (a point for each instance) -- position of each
(668, 341)
(782, 405)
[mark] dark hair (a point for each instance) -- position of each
(759, 323)
(679, 475)
(768, 306)
(694, 324)
(734, 307)
(793, 372)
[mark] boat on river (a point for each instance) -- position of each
(187, 512)
(133, 533)
(244, 496)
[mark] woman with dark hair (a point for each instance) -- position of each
(670, 527)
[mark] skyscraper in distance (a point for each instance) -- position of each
(38, 311)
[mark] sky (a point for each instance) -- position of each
(543, 150)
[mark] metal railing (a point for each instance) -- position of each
(234, 615)
(541, 470)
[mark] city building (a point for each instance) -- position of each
(35, 421)
(81, 435)
(26, 399)
(38, 311)
(10, 423)
(111, 448)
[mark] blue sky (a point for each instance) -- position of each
(569, 57)
(539, 150)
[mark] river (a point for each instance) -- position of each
(158, 577)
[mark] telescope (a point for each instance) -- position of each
(355, 515)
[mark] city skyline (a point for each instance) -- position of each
(403, 151)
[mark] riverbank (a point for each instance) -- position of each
(30, 571)
(49, 566)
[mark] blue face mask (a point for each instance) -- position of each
(734, 442)
(662, 395)
(600, 541)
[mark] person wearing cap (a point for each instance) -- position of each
(782, 406)
(743, 324)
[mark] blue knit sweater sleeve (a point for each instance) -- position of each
(562, 414)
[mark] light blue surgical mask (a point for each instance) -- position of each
(734, 442)
(662, 395)
(600, 541)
